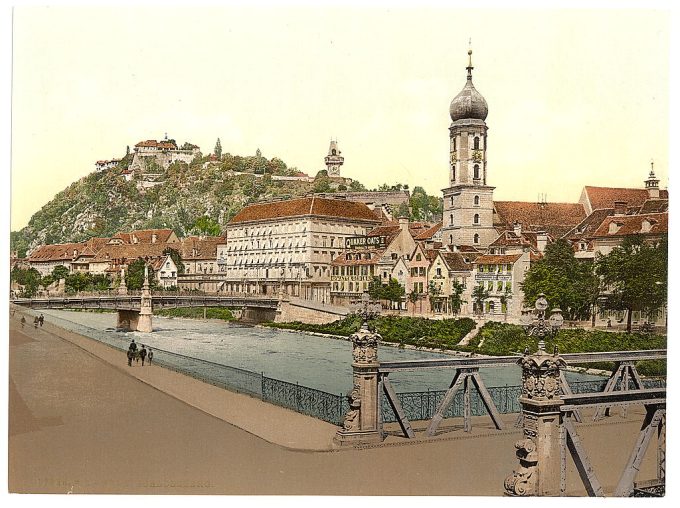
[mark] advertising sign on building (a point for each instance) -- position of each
(365, 241)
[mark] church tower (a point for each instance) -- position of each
(468, 201)
(334, 160)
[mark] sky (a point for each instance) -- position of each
(576, 97)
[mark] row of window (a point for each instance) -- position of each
(494, 268)
(475, 143)
(475, 239)
(475, 172)
(476, 221)
(476, 200)
(498, 286)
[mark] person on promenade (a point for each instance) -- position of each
(142, 354)
(23, 321)
(132, 350)
(41, 320)
(150, 356)
(35, 322)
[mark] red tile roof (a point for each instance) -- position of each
(456, 261)
(55, 252)
(430, 232)
(194, 247)
(632, 225)
(144, 235)
(554, 218)
(588, 225)
(604, 197)
(654, 206)
(341, 259)
(309, 206)
(163, 145)
(495, 259)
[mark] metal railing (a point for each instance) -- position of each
(317, 403)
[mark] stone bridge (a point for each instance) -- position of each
(131, 305)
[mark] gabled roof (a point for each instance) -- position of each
(524, 239)
(455, 261)
(604, 197)
(429, 233)
(554, 218)
(130, 252)
(632, 225)
(308, 206)
(587, 226)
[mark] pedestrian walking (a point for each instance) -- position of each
(130, 355)
(150, 355)
(142, 354)
(41, 320)
(133, 346)
(35, 322)
(23, 321)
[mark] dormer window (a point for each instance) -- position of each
(614, 227)
(646, 226)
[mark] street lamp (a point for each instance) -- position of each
(537, 326)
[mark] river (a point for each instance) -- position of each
(317, 362)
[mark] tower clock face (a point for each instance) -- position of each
(477, 156)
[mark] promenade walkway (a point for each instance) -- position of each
(81, 420)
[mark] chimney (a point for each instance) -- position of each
(403, 223)
(541, 241)
(620, 207)
(517, 227)
(153, 237)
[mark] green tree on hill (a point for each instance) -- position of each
(206, 226)
(218, 149)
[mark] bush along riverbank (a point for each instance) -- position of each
(494, 338)
(401, 330)
(505, 339)
(197, 313)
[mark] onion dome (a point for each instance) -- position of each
(469, 103)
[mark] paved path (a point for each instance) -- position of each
(79, 423)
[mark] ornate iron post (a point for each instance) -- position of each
(363, 422)
(539, 452)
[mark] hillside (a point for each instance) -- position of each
(103, 203)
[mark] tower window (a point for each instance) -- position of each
(476, 143)
(476, 172)
(450, 239)
(476, 238)
(451, 220)
(476, 219)
(454, 143)
(453, 173)
(451, 200)
(476, 200)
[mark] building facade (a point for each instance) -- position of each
(289, 245)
